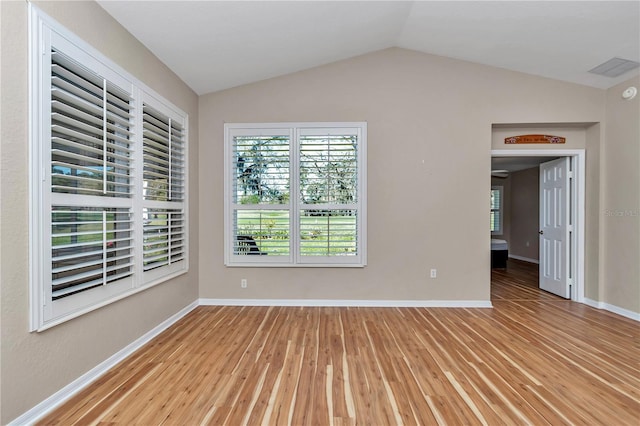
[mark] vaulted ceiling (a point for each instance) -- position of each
(214, 45)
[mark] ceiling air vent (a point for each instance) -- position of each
(615, 67)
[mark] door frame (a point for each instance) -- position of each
(578, 207)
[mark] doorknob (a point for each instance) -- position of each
(540, 232)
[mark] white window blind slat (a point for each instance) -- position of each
(68, 291)
(154, 132)
(152, 152)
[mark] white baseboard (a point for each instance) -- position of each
(350, 303)
(64, 394)
(524, 259)
(612, 308)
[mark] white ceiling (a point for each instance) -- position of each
(214, 45)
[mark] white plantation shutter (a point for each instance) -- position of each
(329, 192)
(90, 156)
(163, 215)
(496, 209)
(294, 194)
(90, 132)
(329, 232)
(108, 180)
(164, 237)
(260, 190)
(163, 157)
(91, 246)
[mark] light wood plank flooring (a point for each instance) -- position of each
(532, 359)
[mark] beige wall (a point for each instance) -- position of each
(36, 365)
(524, 202)
(430, 135)
(620, 207)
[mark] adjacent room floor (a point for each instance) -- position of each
(532, 359)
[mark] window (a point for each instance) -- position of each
(108, 170)
(496, 210)
(295, 194)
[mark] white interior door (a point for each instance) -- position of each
(555, 227)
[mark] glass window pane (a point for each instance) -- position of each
(328, 232)
(261, 232)
(328, 169)
(261, 165)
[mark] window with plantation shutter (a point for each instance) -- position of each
(108, 161)
(294, 194)
(496, 210)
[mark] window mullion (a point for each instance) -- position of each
(104, 136)
(137, 159)
(104, 247)
(294, 195)
(170, 158)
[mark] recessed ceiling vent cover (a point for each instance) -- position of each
(615, 67)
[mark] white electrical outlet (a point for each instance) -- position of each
(434, 273)
(243, 283)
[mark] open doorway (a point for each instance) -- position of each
(525, 164)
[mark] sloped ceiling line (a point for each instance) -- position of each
(215, 45)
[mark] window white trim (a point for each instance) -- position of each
(121, 169)
(293, 205)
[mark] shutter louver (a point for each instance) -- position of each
(261, 232)
(164, 157)
(496, 210)
(90, 132)
(261, 166)
(328, 169)
(261, 195)
(328, 193)
(164, 237)
(90, 247)
(164, 221)
(328, 232)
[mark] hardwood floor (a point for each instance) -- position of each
(532, 359)
(518, 282)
